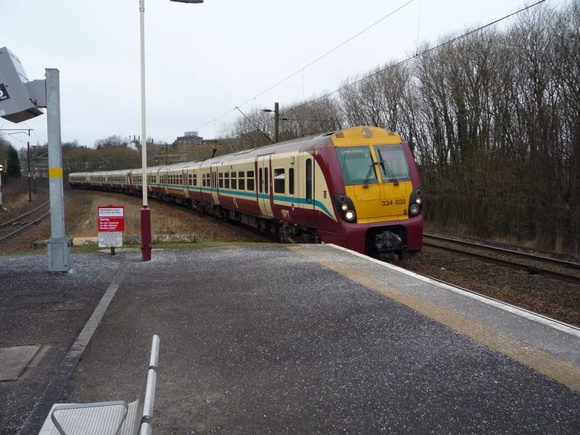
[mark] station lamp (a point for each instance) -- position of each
(145, 211)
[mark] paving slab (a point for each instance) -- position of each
(13, 361)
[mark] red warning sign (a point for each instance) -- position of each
(111, 219)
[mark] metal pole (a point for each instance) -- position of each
(1, 173)
(28, 160)
(276, 121)
(58, 245)
(145, 211)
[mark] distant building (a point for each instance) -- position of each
(188, 140)
(191, 146)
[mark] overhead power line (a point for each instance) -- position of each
(328, 52)
(424, 52)
(310, 64)
(402, 62)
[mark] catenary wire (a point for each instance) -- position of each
(368, 76)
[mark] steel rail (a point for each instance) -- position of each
(568, 270)
(5, 224)
(25, 226)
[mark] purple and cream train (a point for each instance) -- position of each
(358, 188)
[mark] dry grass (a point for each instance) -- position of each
(165, 219)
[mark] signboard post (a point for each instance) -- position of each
(111, 226)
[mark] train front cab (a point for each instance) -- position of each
(381, 208)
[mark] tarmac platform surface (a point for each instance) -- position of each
(279, 339)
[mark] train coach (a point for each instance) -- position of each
(358, 188)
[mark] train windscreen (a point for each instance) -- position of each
(393, 163)
(357, 165)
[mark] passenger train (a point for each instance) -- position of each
(358, 188)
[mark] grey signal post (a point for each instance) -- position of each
(21, 99)
(1, 171)
(58, 245)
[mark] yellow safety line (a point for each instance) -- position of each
(550, 365)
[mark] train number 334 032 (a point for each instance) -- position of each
(390, 202)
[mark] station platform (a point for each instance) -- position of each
(279, 339)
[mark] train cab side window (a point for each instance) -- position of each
(291, 181)
(250, 180)
(309, 180)
(279, 180)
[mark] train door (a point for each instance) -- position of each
(264, 186)
(306, 180)
(185, 183)
(213, 177)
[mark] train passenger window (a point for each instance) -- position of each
(234, 180)
(309, 180)
(194, 180)
(221, 182)
(241, 181)
(250, 175)
(227, 180)
(279, 180)
(291, 181)
(267, 181)
(260, 180)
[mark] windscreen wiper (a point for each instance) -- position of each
(369, 173)
(388, 168)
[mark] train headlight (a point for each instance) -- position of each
(345, 208)
(415, 202)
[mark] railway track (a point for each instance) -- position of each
(23, 222)
(532, 262)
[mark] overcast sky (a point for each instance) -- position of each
(203, 60)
